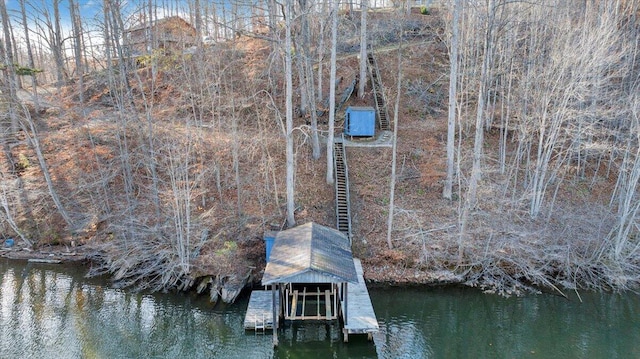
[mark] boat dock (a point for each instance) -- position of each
(259, 313)
(360, 317)
(310, 268)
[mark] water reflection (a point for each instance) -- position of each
(53, 312)
(463, 323)
(315, 339)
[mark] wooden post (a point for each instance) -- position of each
(335, 300)
(273, 311)
(346, 304)
(345, 310)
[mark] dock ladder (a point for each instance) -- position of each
(260, 324)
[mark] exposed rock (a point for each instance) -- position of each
(214, 294)
(232, 287)
(229, 295)
(204, 284)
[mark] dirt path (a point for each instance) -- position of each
(26, 96)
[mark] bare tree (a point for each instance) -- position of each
(332, 91)
(483, 83)
(8, 204)
(628, 209)
(321, 48)
(453, 82)
(291, 220)
(470, 201)
(76, 26)
(364, 8)
(10, 79)
(309, 85)
(198, 21)
(55, 42)
(394, 150)
(27, 39)
(29, 129)
(571, 98)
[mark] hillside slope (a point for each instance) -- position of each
(171, 171)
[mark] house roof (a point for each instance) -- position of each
(160, 22)
(310, 253)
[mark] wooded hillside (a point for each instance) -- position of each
(165, 158)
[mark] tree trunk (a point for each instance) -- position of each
(471, 197)
(291, 221)
(394, 152)
(216, 27)
(198, 21)
(56, 45)
(10, 77)
(453, 83)
(225, 27)
(362, 80)
(480, 109)
(321, 50)
(332, 91)
(77, 48)
(27, 39)
(32, 135)
(151, 36)
(302, 84)
(309, 85)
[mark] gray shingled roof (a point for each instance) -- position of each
(310, 253)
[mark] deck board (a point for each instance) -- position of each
(259, 308)
(361, 318)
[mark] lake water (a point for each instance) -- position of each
(52, 311)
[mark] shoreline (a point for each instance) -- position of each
(62, 254)
(221, 291)
(81, 255)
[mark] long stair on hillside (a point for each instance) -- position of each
(343, 206)
(378, 93)
(357, 313)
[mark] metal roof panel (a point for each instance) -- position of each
(310, 253)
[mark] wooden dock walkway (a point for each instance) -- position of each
(259, 313)
(361, 319)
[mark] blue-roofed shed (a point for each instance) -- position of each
(360, 121)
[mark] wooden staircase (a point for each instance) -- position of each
(378, 93)
(343, 206)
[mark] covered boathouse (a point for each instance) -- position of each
(311, 272)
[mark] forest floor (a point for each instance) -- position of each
(421, 134)
(425, 241)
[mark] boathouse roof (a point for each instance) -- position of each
(310, 253)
